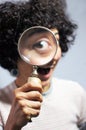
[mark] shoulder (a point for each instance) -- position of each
(6, 93)
(69, 84)
(73, 93)
(69, 87)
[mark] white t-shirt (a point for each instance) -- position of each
(63, 107)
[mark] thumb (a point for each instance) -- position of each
(33, 84)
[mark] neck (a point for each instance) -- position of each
(46, 88)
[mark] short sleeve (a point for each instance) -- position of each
(1, 128)
(1, 123)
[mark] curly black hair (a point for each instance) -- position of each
(15, 17)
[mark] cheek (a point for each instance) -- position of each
(24, 68)
(58, 54)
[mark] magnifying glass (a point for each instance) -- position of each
(37, 46)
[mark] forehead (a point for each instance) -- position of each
(56, 33)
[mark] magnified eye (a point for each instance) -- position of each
(41, 46)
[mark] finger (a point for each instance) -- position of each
(31, 104)
(32, 95)
(31, 112)
(35, 96)
(33, 84)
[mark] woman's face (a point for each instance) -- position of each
(44, 73)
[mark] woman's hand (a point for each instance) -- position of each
(26, 103)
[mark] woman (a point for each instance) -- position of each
(41, 105)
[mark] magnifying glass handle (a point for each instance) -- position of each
(34, 72)
(34, 76)
(36, 80)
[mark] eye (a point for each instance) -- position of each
(41, 46)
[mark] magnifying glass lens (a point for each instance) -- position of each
(37, 45)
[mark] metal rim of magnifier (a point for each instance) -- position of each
(34, 27)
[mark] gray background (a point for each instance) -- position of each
(73, 65)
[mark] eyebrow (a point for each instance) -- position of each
(56, 33)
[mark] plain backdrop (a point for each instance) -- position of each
(73, 65)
